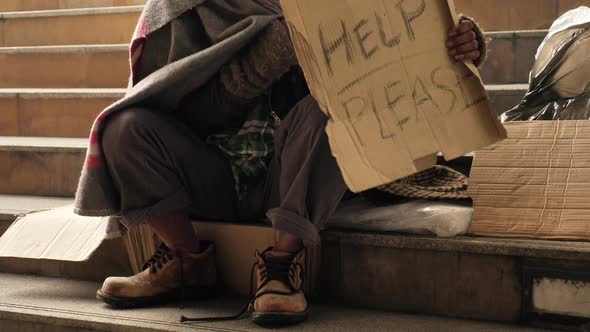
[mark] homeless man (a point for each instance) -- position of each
(218, 124)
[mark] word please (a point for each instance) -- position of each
(400, 105)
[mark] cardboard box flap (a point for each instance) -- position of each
(57, 234)
(534, 184)
(380, 70)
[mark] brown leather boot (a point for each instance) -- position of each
(166, 276)
(279, 297)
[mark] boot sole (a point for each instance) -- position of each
(269, 319)
(142, 302)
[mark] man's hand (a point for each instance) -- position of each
(462, 43)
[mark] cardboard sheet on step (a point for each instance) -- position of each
(56, 234)
(534, 184)
(380, 70)
(61, 235)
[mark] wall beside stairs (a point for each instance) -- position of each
(514, 15)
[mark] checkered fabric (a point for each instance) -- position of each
(439, 182)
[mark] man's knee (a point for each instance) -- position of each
(124, 131)
(308, 113)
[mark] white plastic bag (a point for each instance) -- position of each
(414, 217)
(559, 82)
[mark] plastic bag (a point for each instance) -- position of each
(414, 217)
(559, 83)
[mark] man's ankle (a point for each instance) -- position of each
(191, 248)
(288, 249)
(288, 243)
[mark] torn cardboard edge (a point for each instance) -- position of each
(370, 140)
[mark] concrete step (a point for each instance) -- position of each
(511, 56)
(464, 277)
(40, 166)
(71, 112)
(13, 205)
(52, 112)
(88, 66)
(51, 166)
(106, 66)
(29, 5)
(478, 278)
(30, 303)
(111, 25)
(504, 15)
(505, 96)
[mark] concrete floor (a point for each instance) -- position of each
(29, 303)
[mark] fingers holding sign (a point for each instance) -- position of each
(462, 42)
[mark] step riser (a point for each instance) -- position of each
(57, 173)
(68, 30)
(498, 15)
(510, 61)
(455, 284)
(27, 5)
(505, 100)
(17, 324)
(108, 69)
(511, 58)
(4, 226)
(71, 117)
(507, 15)
(449, 284)
(52, 117)
(40, 173)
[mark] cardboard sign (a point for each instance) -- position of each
(380, 70)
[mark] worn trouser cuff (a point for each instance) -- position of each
(292, 223)
(173, 203)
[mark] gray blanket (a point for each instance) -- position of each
(177, 47)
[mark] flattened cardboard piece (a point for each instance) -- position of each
(380, 70)
(57, 234)
(236, 245)
(61, 235)
(534, 184)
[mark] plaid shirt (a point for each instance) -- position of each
(250, 149)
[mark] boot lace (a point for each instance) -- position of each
(162, 256)
(271, 268)
(279, 269)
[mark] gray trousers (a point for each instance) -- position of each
(159, 166)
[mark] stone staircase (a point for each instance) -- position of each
(63, 61)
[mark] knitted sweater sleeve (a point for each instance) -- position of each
(254, 70)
